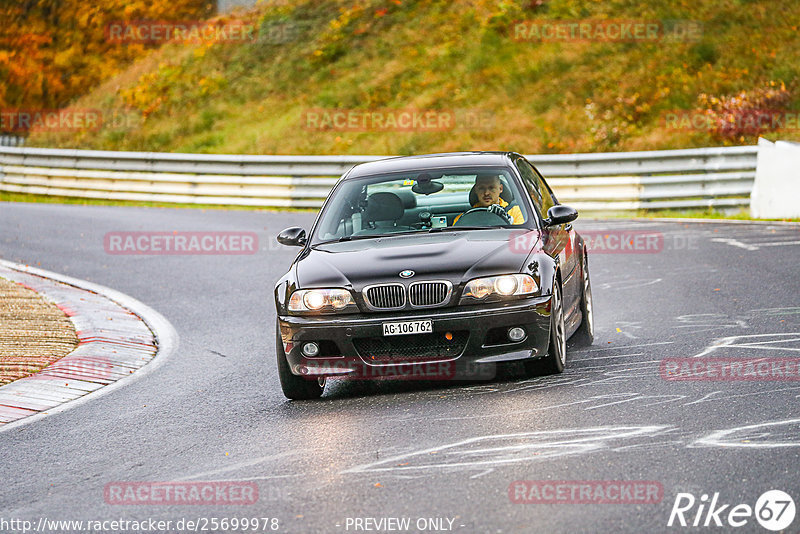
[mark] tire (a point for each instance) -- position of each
(556, 357)
(584, 335)
(293, 386)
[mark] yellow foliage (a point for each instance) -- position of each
(60, 49)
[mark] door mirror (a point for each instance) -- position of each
(560, 214)
(293, 237)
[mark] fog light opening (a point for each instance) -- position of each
(516, 334)
(310, 350)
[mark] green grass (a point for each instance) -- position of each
(545, 97)
(738, 215)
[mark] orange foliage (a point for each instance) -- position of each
(52, 51)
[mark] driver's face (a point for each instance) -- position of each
(488, 192)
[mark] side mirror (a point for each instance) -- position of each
(293, 237)
(560, 214)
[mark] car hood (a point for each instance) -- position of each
(453, 256)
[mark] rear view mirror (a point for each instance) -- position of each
(293, 237)
(426, 186)
(560, 214)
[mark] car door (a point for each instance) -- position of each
(559, 240)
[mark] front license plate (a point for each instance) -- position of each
(408, 327)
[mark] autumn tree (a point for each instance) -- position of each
(54, 50)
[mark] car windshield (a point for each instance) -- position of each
(422, 201)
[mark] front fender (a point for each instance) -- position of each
(284, 287)
(543, 268)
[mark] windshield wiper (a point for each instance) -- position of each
(365, 236)
(355, 237)
(457, 228)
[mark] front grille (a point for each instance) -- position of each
(411, 348)
(385, 297)
(428, 294)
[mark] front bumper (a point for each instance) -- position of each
(478, 337)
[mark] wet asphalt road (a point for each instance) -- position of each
(215, 411)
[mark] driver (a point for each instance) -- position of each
(488, 189)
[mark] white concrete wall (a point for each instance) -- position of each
(776, 191)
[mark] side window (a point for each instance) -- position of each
(531, 181)
(548, 200)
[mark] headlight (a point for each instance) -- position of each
(322, 300)
(503, 286)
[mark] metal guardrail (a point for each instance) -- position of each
(11, 140)
(623, 181)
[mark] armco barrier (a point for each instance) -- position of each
(623, 181)
(11, 140)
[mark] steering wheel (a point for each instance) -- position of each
(480, 217)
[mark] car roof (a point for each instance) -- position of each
(428, 161)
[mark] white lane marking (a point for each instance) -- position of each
(755, 436)
(649, 445)
(509, 448)
(631, 284)
(735, 243)
(742, 342)
(623, 347)
(792, 310)
(779, 243)
(546, 384)
(704, 398)
(753, 246)
(611, 357)
(728, 396)
(754, 346)
(703, 322)
(482, 473)
(605, 367)
(667, 398)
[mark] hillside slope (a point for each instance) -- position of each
(493, 83)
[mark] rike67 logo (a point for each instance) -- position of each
(774, 510)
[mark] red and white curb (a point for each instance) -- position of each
(120, 339)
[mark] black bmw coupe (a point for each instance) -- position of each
(424, 266)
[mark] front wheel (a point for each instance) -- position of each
(293, 386)
(584, 336)
(556, 357)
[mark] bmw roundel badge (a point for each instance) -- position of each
(406, 274)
